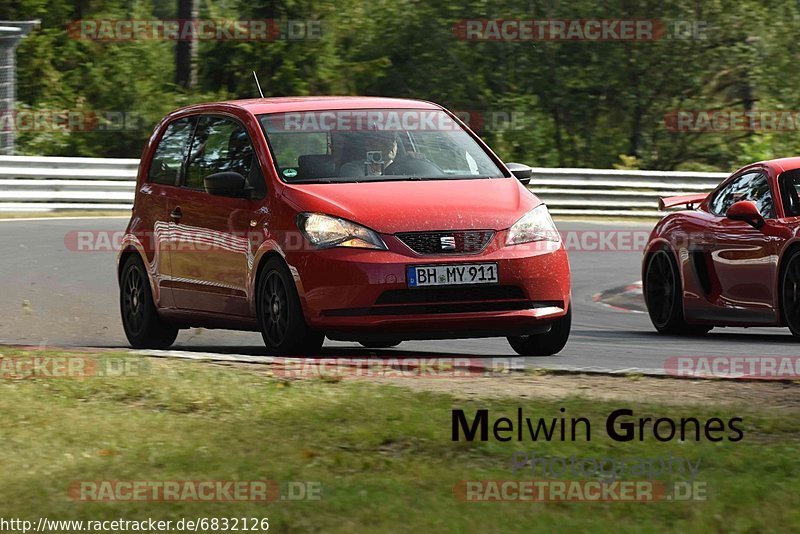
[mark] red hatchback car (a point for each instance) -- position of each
(734, 260)
(373, 220)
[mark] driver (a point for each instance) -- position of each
(368, 153)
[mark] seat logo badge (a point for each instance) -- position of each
(447, 242)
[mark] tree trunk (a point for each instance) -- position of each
(186, 51)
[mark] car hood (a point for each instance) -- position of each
(421, 205)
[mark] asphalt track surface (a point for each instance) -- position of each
(53, 296)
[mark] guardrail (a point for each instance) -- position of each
(55, 183)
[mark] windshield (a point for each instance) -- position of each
(373, 144)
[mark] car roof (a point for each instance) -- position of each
(258, 106)
(781, 164)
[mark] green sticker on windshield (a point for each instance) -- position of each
(290, 173)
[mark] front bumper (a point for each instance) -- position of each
(359, 293)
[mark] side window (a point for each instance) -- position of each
(752, 186)
(790, 192)
(165, 168)
(222, 145)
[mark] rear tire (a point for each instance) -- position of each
(280, 314)
(663, 297)
(143, 327)
(547, 344)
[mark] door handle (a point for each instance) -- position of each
(176, 213)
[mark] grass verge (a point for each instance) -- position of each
(382, 453)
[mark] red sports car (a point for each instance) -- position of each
(373, 220)
(732, 258)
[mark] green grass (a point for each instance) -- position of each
(383, 454)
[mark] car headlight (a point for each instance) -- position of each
(326, 231)
(536, 225)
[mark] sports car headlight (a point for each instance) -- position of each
(536, 225)
(326, 231)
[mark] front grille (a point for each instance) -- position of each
(457, 242)
(450, 307)
(451, 294)
(446, 300)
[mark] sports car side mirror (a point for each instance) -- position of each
(522, 172)
(747, 211)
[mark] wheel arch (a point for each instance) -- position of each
(131, 246)
(267, 252)
(654, 246)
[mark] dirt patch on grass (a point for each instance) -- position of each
(558, 385)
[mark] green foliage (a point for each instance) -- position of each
(575, 103)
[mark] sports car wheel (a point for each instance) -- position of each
(143, 327)
(790, 294)
(280, 316)
(663, 294)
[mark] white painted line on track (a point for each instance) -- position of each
(29, 219)
(242, 358)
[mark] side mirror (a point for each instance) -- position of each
(522, 172)
(747, 211)
(227, 184)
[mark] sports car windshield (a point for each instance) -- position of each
(372, 145)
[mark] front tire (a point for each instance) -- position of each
(790, 294)
(547, 344)
(663, 296)
(143, 327)
(280, 314)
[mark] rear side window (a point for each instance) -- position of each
(752, 186)
(222, 145)
(165, 168)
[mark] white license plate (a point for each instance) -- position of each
(451, 275)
